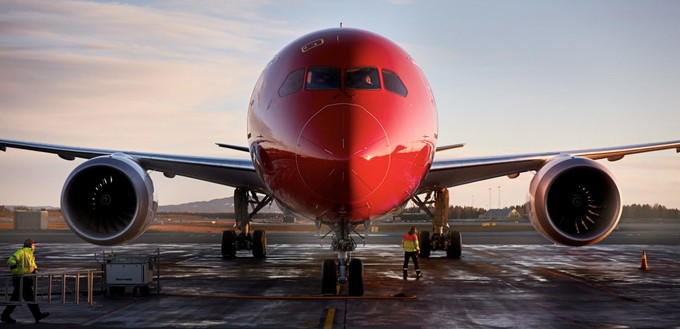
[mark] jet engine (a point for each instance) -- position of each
(574, 201)
(108, 200)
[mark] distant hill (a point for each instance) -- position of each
(213, 206)
(32, 208)
(224, 205)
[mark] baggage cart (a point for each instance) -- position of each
(141, 272)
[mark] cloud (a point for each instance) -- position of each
(175, 77)
(134, 29)
(82, 68)
(148, 77)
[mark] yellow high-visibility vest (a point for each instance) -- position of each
(24, 260)
(410, 242)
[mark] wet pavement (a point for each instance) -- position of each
(491, 286)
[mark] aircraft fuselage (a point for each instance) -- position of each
(342, 125)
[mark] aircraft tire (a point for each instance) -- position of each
(455, 241)
(329, 277)
(259, 244)
(425, 244)
(229, 244)
(356, 277)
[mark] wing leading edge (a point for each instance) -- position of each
(241, 172)
(226, 171)
(449, 173)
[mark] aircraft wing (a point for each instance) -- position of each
(449, 173)
(225, 171)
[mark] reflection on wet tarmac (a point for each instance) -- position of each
(490, 286)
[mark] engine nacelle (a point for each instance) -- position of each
(574, 201)
(108, 200)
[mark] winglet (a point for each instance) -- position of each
(234, 147)
(448, 147)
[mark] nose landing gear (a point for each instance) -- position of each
(346, 270)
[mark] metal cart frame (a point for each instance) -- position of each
(138, 271)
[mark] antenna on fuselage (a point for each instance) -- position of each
(340, 24)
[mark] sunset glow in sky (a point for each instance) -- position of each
(175, 77)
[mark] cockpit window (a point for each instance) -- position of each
(322, 78)
(393, 83)
(362, 78)
(293, 83)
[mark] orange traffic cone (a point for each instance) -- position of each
(644, 266)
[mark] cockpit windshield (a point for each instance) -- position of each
(362, 78)
(328, 78)
(393, 83)
(293, 83)
(322, 78)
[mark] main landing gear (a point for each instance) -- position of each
(344, 270)
(257, 242)
(442, 238)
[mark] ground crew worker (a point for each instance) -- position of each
(23, 262)
(411, 250)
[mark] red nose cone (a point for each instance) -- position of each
(343, 153)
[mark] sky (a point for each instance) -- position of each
(175, 77)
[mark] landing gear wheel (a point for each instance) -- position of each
(425, 244)
(259, 244)
(455, 241)
(229, 244)
(356, 277)
(329, 277)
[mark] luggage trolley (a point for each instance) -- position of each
(138, 271)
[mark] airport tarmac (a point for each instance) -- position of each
(503, 284)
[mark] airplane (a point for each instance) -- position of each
(342, 129)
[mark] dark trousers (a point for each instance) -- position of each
(27, 292)
(411, 255)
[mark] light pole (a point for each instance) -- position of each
(489, 198)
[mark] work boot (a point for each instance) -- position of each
(42, 316)
(7, 319)
(405, 275)
(419, 275)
